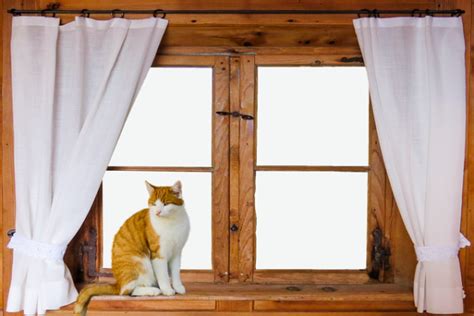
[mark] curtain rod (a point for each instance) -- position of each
(163, 13)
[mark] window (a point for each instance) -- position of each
(167, 130)
(316, 118)
(294, 192)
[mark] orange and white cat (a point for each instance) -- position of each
(146, 251)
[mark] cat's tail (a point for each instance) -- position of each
(80, 308)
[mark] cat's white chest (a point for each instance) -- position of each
(173, 233)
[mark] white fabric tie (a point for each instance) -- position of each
(36, 249)
(441, 253)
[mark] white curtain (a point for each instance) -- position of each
(73, 86)
(417, 84)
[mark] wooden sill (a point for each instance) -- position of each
(205, 297)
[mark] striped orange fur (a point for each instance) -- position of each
(140, 259)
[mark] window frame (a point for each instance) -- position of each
(234, 171)
(87, 243)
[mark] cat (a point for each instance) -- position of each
(145, 246)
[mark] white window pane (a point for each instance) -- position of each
(311, 220)
(124, 193)
(170, 121)
(312, 116)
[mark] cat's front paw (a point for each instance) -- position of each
(168, 292)
(179, 288)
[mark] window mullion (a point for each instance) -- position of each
(220, 175)
(247, 170)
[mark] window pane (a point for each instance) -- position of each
(311, 220)
(170, 121)
(124, 193)
(312, 116)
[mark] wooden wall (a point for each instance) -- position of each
(269, 34)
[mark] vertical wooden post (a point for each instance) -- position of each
(220, 175)
(234, 170)
(247, 170)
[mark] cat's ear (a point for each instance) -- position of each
(177, 187)
(149, 187)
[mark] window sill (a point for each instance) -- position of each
(261, 298)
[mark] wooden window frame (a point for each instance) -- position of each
(234, 168)
(87, 245)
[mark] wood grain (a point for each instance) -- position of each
(314, 168)
(311, 276)
(234, 176)
(220, 176)
(334, 59)
(257, 313)
(2, 238)
(150, 305)
(247, 216)
(333, 306)
(283, 41)
(248, 4)
(279, 292)
(234, 306)
(159, 169)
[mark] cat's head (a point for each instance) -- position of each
(164, 201)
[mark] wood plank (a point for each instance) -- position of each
(234, 175)
(234, 306)
(259, 313)
(335, 59)
(333, 306)
(220, 176)
(320, 36)
(376, 292)
(256, 50)
(161, 169)
(249, 4)
(183, 61)
(311, 276)
(150, 305)
(2, 238)
(247, 216)
(315, 168)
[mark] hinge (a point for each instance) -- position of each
(88, 255)
(380, 255)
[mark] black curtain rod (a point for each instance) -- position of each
(163, 13)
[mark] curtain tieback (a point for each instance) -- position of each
(36, 249)
(441, 253)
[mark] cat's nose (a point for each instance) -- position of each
(158, 213)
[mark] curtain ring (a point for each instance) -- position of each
(85, 13)
(415, 11)
(428, 12)
(457, 13)
(15, 12)
(159, 11)
(117, 11)
(374, 13)
(363, 11)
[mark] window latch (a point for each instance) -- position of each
(236, 114)
(380, 255)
